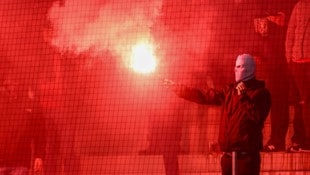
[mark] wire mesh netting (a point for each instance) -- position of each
(88, 87)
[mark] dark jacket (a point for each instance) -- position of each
(243, 116)
(22, 132)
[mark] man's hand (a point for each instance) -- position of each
(168, 82)
(38, 165)
(241, 88)
(175, 87)
(278, 19)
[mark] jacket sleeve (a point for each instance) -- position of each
(208, 96)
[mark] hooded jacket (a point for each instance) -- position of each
(243, 116)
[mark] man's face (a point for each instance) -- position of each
(244, 68)
(239, 70)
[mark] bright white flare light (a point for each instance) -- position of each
(142, 58)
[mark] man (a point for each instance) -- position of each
(22, 131)
(270, 26)
(165, 130)
(246, 104)
(298, 56)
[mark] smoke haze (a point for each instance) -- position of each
(97, 26)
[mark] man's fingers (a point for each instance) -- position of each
(168, 81)
(241, 88)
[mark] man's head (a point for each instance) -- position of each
(244, 68)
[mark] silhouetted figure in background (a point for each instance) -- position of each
(72, 100)
(62, 100)
(298, 55)
(270, 26)
(164, 130)
(22, 130)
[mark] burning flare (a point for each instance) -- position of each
(142, 58)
